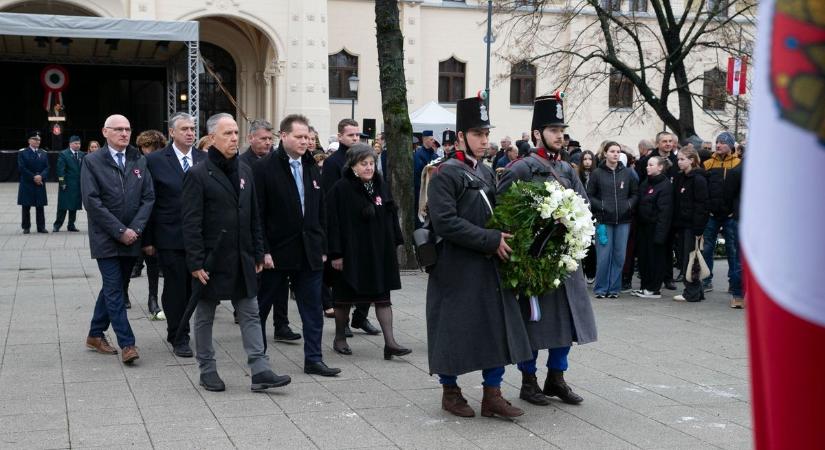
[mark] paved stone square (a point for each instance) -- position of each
(663, 375)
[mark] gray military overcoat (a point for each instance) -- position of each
(471, 325)
(571, 300)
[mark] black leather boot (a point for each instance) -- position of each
(153, 305)
(530, 390)
(555, 386)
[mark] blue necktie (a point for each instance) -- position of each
(185, 164)
(299, 180)
(120, 160)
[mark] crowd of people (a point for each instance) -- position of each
(287, 217)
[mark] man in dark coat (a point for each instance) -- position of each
(224, 252)
(295, 243)
(470, 324)
(68, 178)
(423, 155)
(118, 197)
(260, 142)
(33, 165)
(164, 235)
(348, 135)
(566, 312)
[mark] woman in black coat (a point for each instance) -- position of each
(585, 168)
(362, 233)
(654, 217)
(690, 215)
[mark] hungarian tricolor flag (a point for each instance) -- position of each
(737, 76)
(783, 226)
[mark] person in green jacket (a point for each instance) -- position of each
(68, 178)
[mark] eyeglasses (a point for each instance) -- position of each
(120, 129)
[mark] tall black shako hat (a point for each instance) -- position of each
(448, 137)
(548, 111)
(472, 113)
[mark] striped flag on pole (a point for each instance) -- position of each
(783, 227)
(737, 75)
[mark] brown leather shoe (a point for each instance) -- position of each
(555, 386)
(530, 390)
(130, 354)
(493, 404)
(453, 402)
(737, 303)
(101, 345)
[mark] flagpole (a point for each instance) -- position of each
(736, 98)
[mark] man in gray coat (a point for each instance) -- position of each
(118, 197)
(566, 312)
(470, 324)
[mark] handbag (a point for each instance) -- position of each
(697, 268)
(425, 241)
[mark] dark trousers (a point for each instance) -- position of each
(589, 262)
(306, 284)
(40, 216)
(653, 258)
(152, 271)
(110, 308)
(359, 315)
(630, 256)
(61, 216)
(693, 290)
(177, 288)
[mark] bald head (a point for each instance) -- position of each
(117, 131)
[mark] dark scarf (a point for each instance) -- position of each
(228, 166)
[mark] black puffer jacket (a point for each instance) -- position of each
(613, 194)
(656, 206)
(690, 201)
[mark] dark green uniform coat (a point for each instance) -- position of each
(571, 300)
(68, 174)
(470, 324)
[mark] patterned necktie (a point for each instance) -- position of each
(299, 180)
(185, 164)
(120, 160)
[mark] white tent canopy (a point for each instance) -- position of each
(434, 117)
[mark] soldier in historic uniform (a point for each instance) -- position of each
(470, 324)
(566, 312)
(68, 178)
(33, 165)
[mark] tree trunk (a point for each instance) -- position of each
(397, 127)
(686, 125)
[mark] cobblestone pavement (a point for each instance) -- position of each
(663, 374)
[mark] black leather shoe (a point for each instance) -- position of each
(670, 285)
(183, 350)
(367, 327)
(72, 229)
(268, 379)
(43, 231)
(319, 368)
(153, 305)
(212, 382)
(555, 386)
(389, 352)
(26, 231)
(347, 331)
(286, 334)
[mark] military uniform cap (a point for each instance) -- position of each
(548, 111)
(427, 133)
(74, 138)
(448, 137)
(472, 113)
(33, 134)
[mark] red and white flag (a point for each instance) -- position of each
(737, 75)
(783, 228)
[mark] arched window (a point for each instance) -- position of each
(212, 99)
(522, 83)
(714, 90)
(450, 80)
(342, 65)
(621, 91)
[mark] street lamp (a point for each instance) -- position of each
(353, 87)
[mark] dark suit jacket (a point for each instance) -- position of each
(29, 164)
(294, 240)
(164, 230)
(333, 167)
(224, 223)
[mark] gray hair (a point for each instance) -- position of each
(358, 153)
(212, 122)
(173, 121)
(259, 124)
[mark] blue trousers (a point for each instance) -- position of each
(110, 308)
(556, 360)
(730, 231)
(492, 377)
(307, 286)
(610, 259)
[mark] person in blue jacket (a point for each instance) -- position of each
(33, 165)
